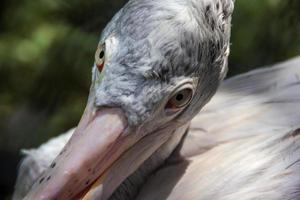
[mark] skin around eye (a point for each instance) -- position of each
(179, 100)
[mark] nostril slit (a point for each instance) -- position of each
(41, 180)
(53, 165)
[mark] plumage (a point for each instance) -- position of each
(245, 144)
(141, 135)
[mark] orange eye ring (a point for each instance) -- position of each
(100, 67)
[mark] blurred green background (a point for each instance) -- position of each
(47, 49)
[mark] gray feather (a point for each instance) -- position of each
(244, 145)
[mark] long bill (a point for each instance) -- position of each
(97, 142)
(100, 144)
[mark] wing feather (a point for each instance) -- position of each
(245, 144)
(36, 161)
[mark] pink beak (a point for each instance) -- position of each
(97, 143)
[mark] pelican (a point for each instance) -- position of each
(142, 135)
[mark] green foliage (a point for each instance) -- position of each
(264, 32)
(46, 54)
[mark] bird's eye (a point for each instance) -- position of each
(179, 100)
(100, 57)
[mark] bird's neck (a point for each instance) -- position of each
(130, 188)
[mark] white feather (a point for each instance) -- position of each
(245, 144)
(36, 161)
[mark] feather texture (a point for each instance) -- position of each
(245, 144)
(36, 161)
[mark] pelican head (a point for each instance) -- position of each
(156, 65)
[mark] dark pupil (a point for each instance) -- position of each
(179, 97)
(101, 54)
